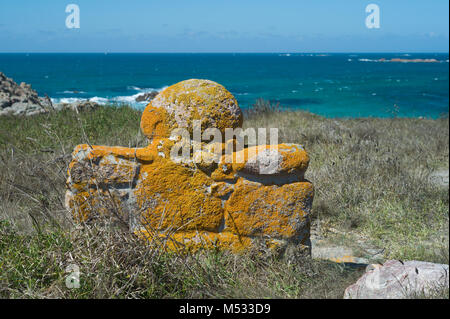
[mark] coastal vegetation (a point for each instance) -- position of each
(372, 189)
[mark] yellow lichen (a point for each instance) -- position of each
(155, 123)
(202, 100)
(294, 159)
(177, 198)
(193, 241)
(221, 189)
(276, 211)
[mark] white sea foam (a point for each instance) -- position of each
(125, 99)
(132, 87)
(96, 99)
(131, 99)
(66, 100)
(143, 90)
(71, 92)
(99, 100)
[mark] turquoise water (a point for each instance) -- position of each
(333, 85)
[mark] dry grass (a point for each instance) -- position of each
(371, 178)
(114, 264)
(371, 181)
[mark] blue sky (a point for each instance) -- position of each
(224, 26)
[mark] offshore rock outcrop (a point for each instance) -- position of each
(146, 97)
(262, 202)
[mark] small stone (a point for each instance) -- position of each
(338, 254)
(440, 178)
(398, 280)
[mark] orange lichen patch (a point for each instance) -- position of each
(175, 197)
(155, 123)
(194, 241)
(221, 189)
(158, 148)
(85, 204)
(146, 154)
(80, 205)
(103, 151)
(87, 152)
(275, 211)
(294, 158)
(344, 259)
(224, 172)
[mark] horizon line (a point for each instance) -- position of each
(225, 52)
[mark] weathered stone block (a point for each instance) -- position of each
(261, 202)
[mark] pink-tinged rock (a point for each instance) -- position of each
(398, 280)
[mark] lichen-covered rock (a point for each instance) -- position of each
(269, 210)
(201, 204)
(397, 280)
(181, 103)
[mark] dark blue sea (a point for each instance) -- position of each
(333, 85)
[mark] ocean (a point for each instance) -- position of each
(332, 85)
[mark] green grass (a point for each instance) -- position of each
(60, 131)
(371, 180)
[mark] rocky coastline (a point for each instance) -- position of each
(22, 100)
